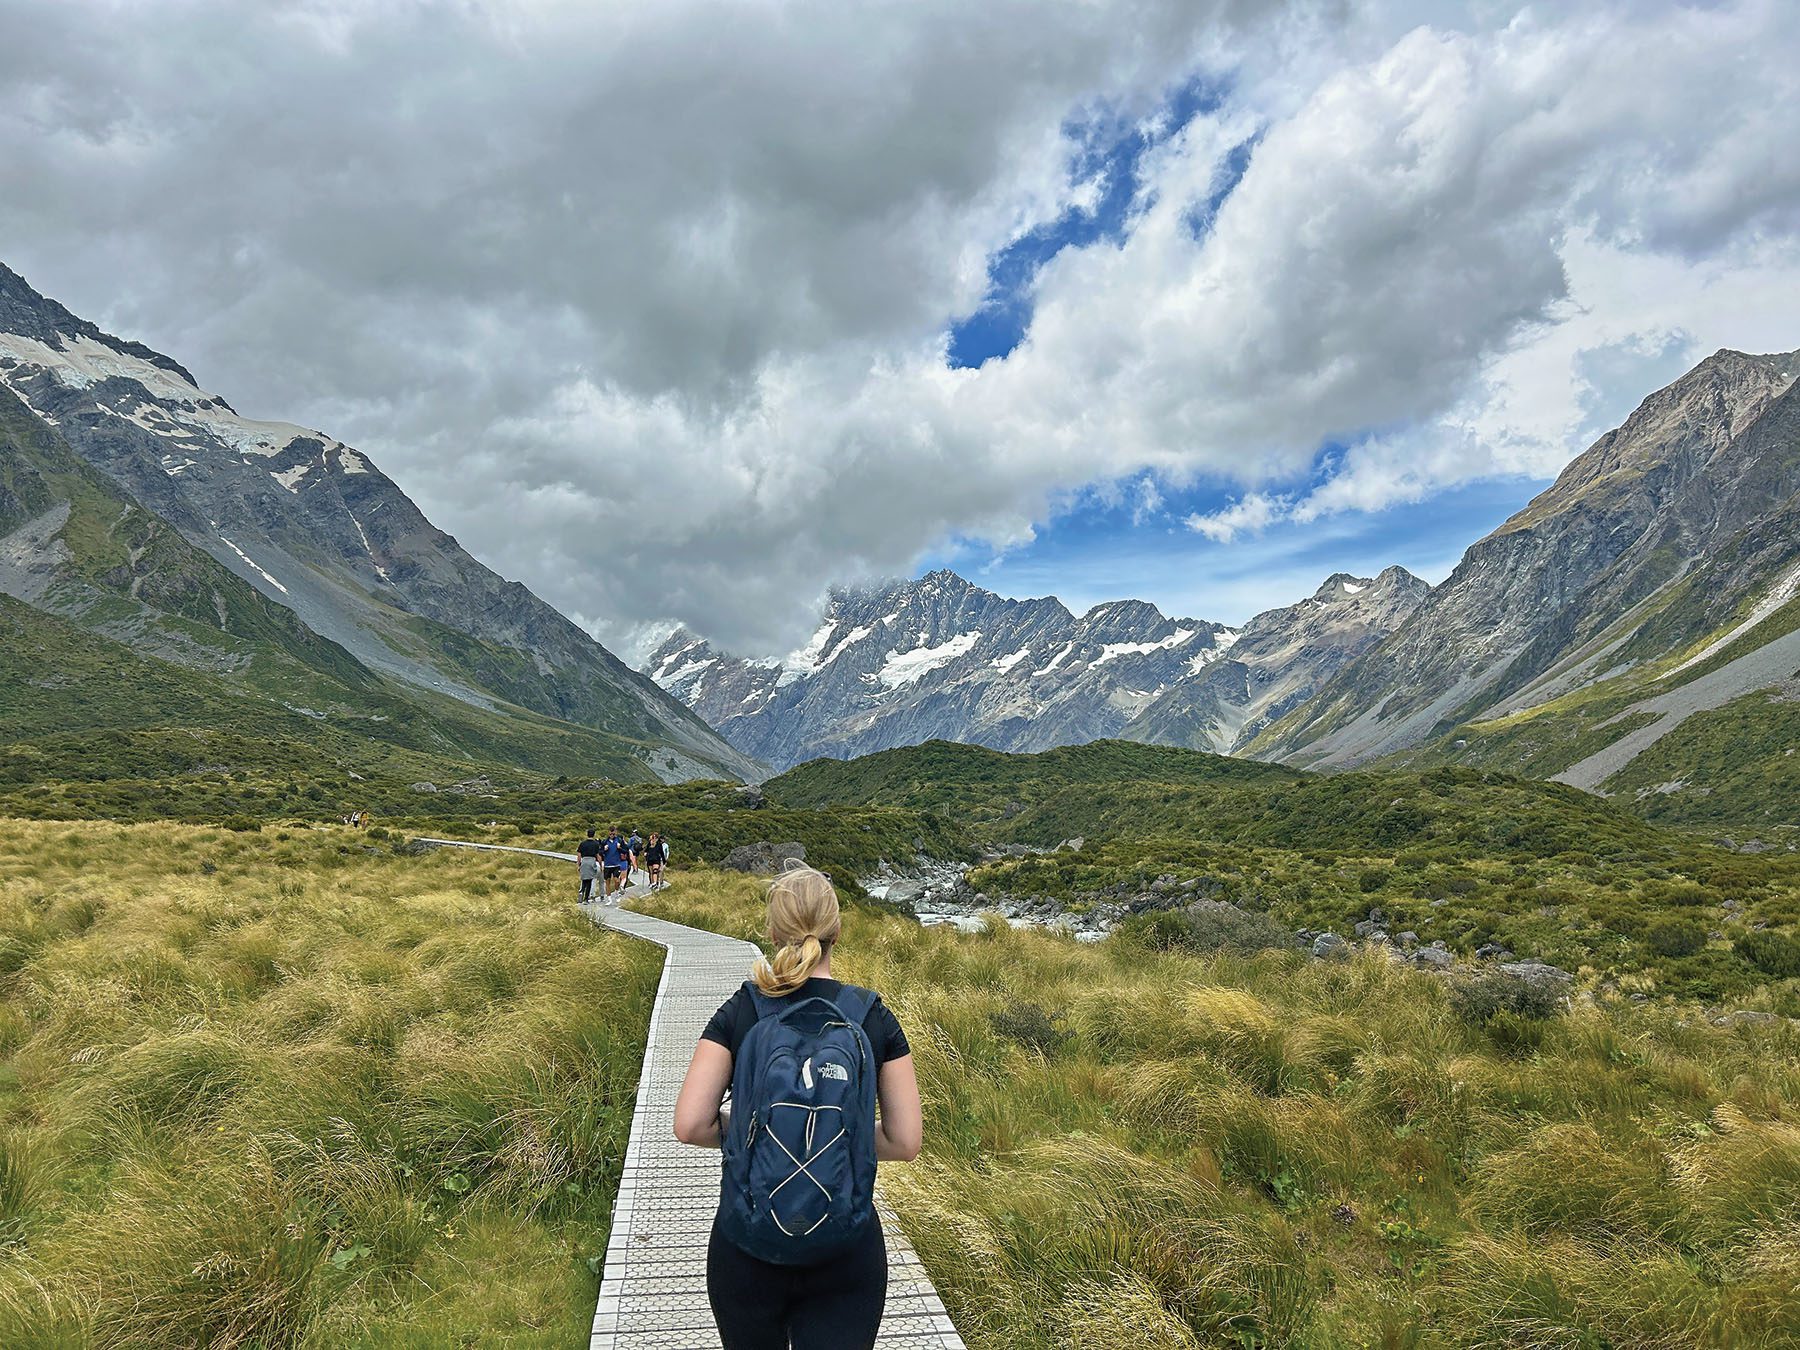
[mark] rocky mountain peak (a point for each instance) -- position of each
(1342, 586)
(320, 531)
(941, 658)
(1125, 618)
(28, 314)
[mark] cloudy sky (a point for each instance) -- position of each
(684, 311)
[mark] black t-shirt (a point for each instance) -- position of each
(589, 848)
(732, 1022)
(654, 854)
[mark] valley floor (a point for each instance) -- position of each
(302, 1087)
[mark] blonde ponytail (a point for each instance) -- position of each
(804, 921)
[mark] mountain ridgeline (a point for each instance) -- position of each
(1634, 630)
(939, 658)
(282, 564)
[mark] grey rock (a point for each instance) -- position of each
(1536, 972)
(1748, 1017)
(424, 787)
(1409, 938)
(1433, 958)
(1490, 951)
(1330, 947)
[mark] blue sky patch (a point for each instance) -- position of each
(1111, 148)
(1092, 551)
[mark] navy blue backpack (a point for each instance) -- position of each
(799, 1178)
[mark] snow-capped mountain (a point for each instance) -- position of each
(315, 527)
(939, 658)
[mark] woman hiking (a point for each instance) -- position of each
(797, 1260)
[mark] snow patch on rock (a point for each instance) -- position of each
(902, 668)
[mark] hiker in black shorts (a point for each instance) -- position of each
(833, 1302)
(655, 855)
(587, 863)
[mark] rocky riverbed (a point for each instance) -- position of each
(939, 893)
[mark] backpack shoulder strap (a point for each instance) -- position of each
(764, 1005)
(854, 1002)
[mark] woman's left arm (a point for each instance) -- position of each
(900, 1131)
(698, 1120)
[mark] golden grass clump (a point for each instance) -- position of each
(1127, 1147)
(273, 1091)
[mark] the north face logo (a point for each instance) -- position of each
(837, 1071)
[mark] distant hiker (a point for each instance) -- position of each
(654, 858)
(636, 844)
(615, 858)
(587, 860)
(797, 1258)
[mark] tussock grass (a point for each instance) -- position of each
(1127, 1147)
(287, 1089)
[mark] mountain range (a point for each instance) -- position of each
(941, 659)
(1635, 628)
(286, 568)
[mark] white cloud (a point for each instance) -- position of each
(1248, 514)
(646, 304)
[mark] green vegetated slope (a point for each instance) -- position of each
(110, 565)
(1736, 766)
(984, 786)
(77, 706)
(293, 1090)
(1456, 854)
(91, 556)
(1135, 1148)
(1725, 765)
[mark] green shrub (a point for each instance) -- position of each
(1686, 893)
(1776, 954)
(1031, 1026)
(1210, 926)
(1674, 937)
(1478, 998)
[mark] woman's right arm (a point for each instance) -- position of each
(697, 1118)
(900, 1132)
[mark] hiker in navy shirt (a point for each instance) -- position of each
(614, 859)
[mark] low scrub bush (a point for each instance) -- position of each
(1776, 954)
(1477, 998)
(1211, 926)
(1674, 937)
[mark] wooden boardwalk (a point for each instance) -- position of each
(653, 1288)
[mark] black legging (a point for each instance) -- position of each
(833, 1306)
